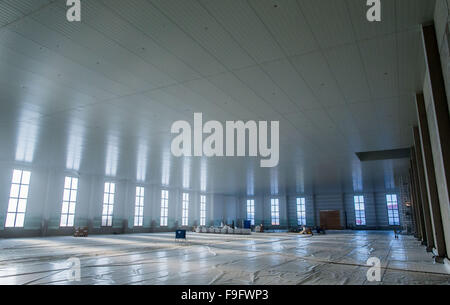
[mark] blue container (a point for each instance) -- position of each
(247, 224)
(180, 234)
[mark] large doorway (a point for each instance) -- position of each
(330, 220)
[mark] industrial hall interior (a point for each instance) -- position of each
(224, 142)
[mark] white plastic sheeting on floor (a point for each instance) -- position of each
(278, 258)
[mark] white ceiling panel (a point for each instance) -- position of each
(307, 129)
(111, 25)
(326, 132)
(8, 14)
(135, 72)
(49, 39)
(316, 72)
(178, 109)
(210, 92)
(283, 73)
(35, 86)
(144, 16)
(12, 10)
(320, 119)
(287, 24)
(256, 79)
(363, 114)
(343, 118)
(346, 60)
(232, 86)
(380, 59)
(387, 113)
(240, 20)
(196, 22)
(126, 35)
(26, 6)
(195, 103)
(154, 106)
(329, 20)
(29, 56)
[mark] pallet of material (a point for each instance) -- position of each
(81, 232)
(224, 230)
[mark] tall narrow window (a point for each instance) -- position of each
(18, 199)
(164, 208)
(69, 202)
(275, 209)
(185, 214)
(360, 212)
(301, 211)
(392, 206)
(202, 210)
(108, 204)
(139, 207)
(251, 211)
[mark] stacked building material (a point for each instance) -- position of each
(81, 232)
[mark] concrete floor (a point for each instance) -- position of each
(278, 258)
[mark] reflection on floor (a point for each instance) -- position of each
(278, 258)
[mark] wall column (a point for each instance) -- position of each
(439, 109)
(417, 232)
(423, 233)
(430, 179)
(440, 105)
(423, 191)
